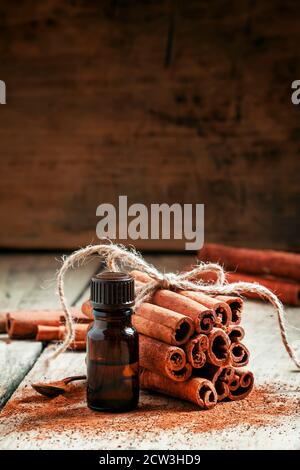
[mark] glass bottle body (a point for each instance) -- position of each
(112, 362)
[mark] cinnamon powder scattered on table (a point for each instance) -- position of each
(155, 413)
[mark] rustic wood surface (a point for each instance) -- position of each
(269, 362)
(29, 282)
(161, 101)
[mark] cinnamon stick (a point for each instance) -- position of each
(221, 309)
(203, 317)
(48, 333)
(236, 306)
(163, 324)
(77, 346)
(235, 333)
(208, 277)
(220, 377)
(239, 354)
(78, 317)
(278, 263)
(180, 375)
(218, 351)
(241, 385)
(163, 359)
(23, 324)
(57, 333)
(195, 350)
(288, 292)
(196, 390)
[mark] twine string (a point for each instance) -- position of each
(119, 258)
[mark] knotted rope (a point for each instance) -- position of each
(118, 258)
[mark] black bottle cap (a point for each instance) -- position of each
(111, 290)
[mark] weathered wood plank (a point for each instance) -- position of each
(16, 359)
(28, 281)
(204, 115)
(269, 362)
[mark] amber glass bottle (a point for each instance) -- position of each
(112, 345)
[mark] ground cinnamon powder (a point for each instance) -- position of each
(155, 413)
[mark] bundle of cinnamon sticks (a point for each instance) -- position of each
(191, 346)
(279, 271)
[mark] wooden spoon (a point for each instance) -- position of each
(53, 389)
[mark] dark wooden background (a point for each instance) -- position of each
(162, 101)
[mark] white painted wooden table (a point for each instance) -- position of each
(27, 281)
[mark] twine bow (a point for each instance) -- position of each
(118, 258)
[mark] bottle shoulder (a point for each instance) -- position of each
(97, 332)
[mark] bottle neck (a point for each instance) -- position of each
(112, 318)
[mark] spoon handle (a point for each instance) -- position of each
(74, 377)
